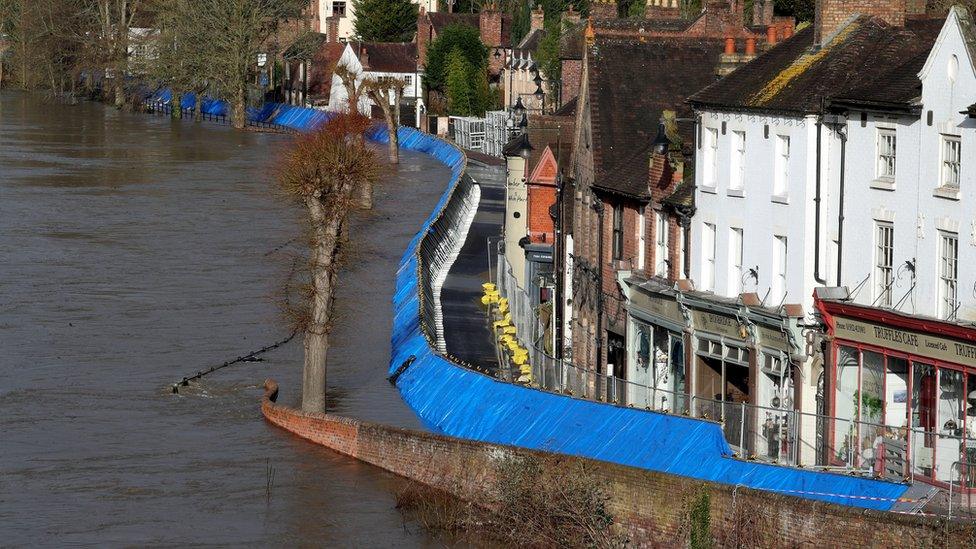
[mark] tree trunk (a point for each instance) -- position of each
(239, 108)
(327, 230)
(176, 105)
(197, 105)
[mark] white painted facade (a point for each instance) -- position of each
(339, 99)
(914, 204)
(747, 213)
(347, 14)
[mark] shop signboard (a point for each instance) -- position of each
(658, 306)
(907, 341)
(727, 326)
(773, 338)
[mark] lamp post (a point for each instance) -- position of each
(540, 95)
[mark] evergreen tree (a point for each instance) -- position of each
(460, 93)
(385, 20)
(521, 20)
(464, 38)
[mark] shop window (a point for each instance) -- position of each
(950, 424)
(883, 263)
(924, 418)
(870, 404)
(678, 370)
(845, 405)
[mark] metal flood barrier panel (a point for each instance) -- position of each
(453, 399)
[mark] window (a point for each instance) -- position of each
(408, 80)
(339, 9)
(883, 262)
(711, 156)
(951, 155)
(641, 236)
(708, 256)
(778, 290)
(735, 261)
(661, 248)
(886, 153)
(738, 168)
(782, 178)
(618, 232)
(948, 274)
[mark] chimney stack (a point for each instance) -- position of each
(490, 25)
(332, 28)
(570, 17)
(538, 19)
(829, 15)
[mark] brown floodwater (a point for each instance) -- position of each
(135, 250)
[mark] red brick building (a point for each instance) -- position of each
(632, 203)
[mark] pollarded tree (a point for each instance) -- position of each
(324, 171)
(385, 20)
(387, 93)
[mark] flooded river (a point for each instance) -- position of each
(135, 250)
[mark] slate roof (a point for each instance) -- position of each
(531, 40)
(631, 82)
(389, 56)
(868, 61)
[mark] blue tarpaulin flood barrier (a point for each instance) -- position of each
(457, 401)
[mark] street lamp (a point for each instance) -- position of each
(519, 109)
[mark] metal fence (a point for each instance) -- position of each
(468, 132)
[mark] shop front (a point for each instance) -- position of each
(901, 395)
(656, 336)
(720, 375)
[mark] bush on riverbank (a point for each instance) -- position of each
(538, 501)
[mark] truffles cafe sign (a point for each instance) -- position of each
(906, 341)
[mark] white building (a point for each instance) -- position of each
(380, 60)
(844, 164)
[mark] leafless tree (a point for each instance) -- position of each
(114, 21)
(240, 30)
(323, 171)
(354, 85)
(388, 93)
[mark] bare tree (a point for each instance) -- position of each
(354, 85)
(114, 19)
(182, 53)
(240, 31)
(323, 172)
(388, 93)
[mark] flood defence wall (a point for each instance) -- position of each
(456, 400)
(651, 508)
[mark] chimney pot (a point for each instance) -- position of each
(729, 46)
(771, 35)
(750, 46)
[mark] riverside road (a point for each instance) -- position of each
(134, 250)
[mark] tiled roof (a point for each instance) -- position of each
(631, 82)
(867, 61)
(568, 108)
(390, 56)
(531, 41)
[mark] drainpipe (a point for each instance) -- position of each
(557, 256)
(816, 200)
(598, 207)
(842, 132)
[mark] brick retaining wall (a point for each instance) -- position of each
(652, 507)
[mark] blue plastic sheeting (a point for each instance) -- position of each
(209, 106)
(460, 402)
